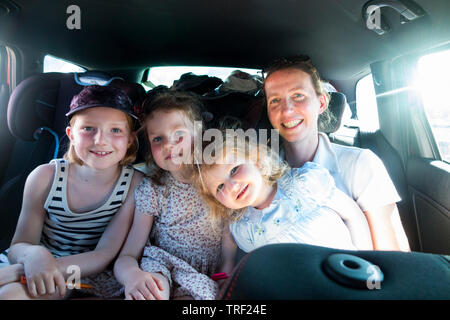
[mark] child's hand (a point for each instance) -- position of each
(11, 273)
(147, 286)
(43, 274)
(221, 284)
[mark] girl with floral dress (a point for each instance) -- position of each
(179, 244)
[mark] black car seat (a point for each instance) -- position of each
(376, 142)
(293, 271)
(36, 118)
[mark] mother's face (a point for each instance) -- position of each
(293, 105)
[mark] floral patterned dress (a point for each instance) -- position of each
(183, 245)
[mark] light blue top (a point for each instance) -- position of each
(299, 213)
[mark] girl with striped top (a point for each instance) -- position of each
(76, 211)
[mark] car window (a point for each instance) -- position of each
(54, 64)
(366, 105)
(2, 68)
(7, 68)
(433, 81)
(167, 75)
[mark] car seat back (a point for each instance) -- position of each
(292, 271)
(377, 143)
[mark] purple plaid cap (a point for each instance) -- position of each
(101, 96)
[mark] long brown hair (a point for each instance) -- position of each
(167, 100)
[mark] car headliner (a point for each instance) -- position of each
(251, 33)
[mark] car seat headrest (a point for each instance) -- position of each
(135, 91)
(337, 104)
(36, 102)
(43, 100)
(94, 77)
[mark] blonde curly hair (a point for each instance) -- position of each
(268, 162)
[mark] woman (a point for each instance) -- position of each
(297, 107)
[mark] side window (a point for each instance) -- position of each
(53, 64)
(7, 69)
(2, 71)
(366, 105)
(433, 81)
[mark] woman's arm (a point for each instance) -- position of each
(386, 228)
(376, 195)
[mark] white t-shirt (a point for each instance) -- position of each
(358, 172)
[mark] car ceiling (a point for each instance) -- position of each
(251, 33)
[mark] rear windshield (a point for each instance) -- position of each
(167, 75)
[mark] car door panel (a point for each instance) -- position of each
(429, 182)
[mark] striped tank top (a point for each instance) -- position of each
(67, 233)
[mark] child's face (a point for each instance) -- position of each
(171, 137)
(237, 185)
(101, 136)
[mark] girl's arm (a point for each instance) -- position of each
(354, 218)
(137, 282)
(318, 182)
(40, 267)
(386, 228)
(228, 250)
(113, 237)
(228, 253)
(11, 273)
